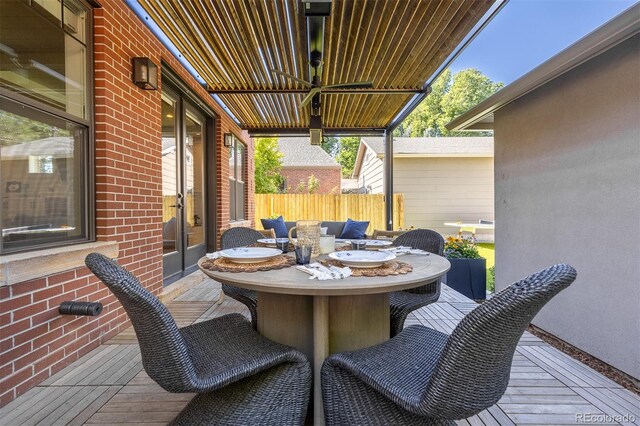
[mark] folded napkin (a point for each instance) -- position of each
(214, 255)
(322, 273)
(400, 250)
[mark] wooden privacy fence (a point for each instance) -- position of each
(330, 207)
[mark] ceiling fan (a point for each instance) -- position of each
(315, 86)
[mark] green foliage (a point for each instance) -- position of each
(313, 184)
(347, 153)
(331, 145)
(460, 248)
(425, 119)
(449, 98)
(267, 166)
(491, 279)
(16, 129)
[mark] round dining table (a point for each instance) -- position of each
(323, 317)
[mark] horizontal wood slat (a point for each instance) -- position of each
(233, 44)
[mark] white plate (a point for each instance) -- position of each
(250, 254)
(268, 241)
(378, 244)
(271, 242)
(362, 258)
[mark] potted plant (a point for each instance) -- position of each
(468, 273)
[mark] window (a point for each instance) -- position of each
(237, 172)
(44, 123)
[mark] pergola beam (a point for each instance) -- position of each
(328, 131)
(381, 91)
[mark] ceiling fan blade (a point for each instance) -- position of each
(354, 85)
(309, 96)
(289, 76)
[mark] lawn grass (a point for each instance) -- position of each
(487, 250)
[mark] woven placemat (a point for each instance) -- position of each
(390, 268)
(222, 264)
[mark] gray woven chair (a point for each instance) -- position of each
(402, 303)
(423, 376)
(240, 376)
(242, 237)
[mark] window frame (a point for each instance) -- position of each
(235, 181)
(88, 215)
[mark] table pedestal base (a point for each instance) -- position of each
(321, 325)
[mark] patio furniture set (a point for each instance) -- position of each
(340, 341)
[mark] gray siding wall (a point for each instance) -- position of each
(567, 168)
(438, 190)
(372, 173)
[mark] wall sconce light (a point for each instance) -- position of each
(145, 74)
(228, 139)
(315, 130)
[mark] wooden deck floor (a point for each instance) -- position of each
(108, 385)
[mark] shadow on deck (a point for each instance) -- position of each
(109, 386)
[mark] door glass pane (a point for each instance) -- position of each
(240, 162)
(194, 179)
(42, 178)
(169, 175)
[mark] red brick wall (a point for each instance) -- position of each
(36, 342)
(329, 179)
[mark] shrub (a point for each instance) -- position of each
(491, 279)
(458, 248)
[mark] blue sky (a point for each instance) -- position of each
(525, 33)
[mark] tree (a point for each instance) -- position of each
(423, 121)
(469, 88)
(449, 97)
(331, 145)
(313, 184)
(347, 153)
(267, 166)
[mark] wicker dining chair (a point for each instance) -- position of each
(402, 303)
(240, 377)
(423, 376)
(241, 237)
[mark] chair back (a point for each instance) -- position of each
(427, 240)
(473, 370)
(164, 352)
(423, 239)
(240, 236)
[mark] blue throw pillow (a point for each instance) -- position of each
(277, 225)
(354, 230)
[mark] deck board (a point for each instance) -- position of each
(108, 385)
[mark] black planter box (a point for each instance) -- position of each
(469, 277)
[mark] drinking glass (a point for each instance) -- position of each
(359, 245)
(303, 254)
(282, 244)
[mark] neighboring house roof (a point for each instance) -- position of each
(614, 32)
(56, 146)
(426, 147)
(299, 153)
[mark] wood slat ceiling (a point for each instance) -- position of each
(397, 44)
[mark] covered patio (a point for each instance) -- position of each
(109, 386)
(233, 71)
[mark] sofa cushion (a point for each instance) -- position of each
(277, 225)
(354, 229)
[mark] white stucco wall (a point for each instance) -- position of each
(445, 189)
(567, 184)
